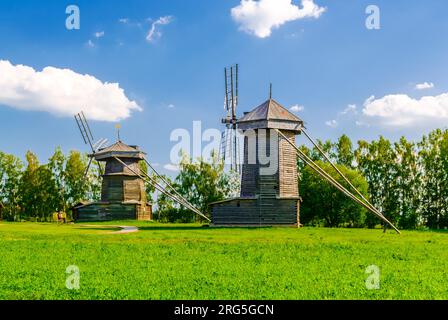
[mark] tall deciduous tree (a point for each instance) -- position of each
(344, 151)
(203, 182)
(56, 165)
(10, 176)
(76, 184)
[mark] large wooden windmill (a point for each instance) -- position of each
(269, 182)
(269, 191)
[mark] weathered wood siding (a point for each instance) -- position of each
(113, 211)
(144, 212)
(134, 189)
(288, 166)
(115, 167)
(250, 212)
(112, 189)
(274, 192)
(250, 170)
(252, 184)
(120, 186)
(106, 212)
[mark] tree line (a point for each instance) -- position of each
(406, 180)
(34, 191)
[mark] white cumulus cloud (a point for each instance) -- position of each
(260, 17)
(402, 110)
(332, 123)
(297, 108)
(424, 86)
(171, 167)
(62, 92)
(351, 108)
(99, 34)
(153, 32)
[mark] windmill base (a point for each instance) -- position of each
(256, 212)
(105, 211)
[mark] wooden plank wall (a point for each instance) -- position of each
(112, 189)
(134, 189)
(276, 196)
(106, 212)
(113, 166)
(288, 166)
(122, 188)
(247, 212)
(116, 211)
(249, 174)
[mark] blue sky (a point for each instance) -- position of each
(323, 63)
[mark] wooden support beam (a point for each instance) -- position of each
(335, 183)
(339, 172)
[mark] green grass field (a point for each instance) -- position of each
(166, 261)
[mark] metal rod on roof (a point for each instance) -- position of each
(226, 92)
(232, 96)
(335, 183)
(270, 91)
(236, 87)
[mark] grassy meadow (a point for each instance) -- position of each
(172, 261)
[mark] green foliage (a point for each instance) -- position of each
(323, 203)
(39, 190)
(201, 182)
(149, 187)
(377, 161)
(407, 181)
(344, 151)
(166, 261)
(10, 176)
(76, 188)
(434, 167)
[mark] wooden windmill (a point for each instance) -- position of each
(271, 197)
(123, 194)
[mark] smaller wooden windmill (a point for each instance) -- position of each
(123, 194)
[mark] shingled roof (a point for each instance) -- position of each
(270, 110)
(270, 114)
(119, 149)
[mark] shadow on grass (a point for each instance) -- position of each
(437, 231)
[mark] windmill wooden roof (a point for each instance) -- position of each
(120, 150)
(270, 114)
